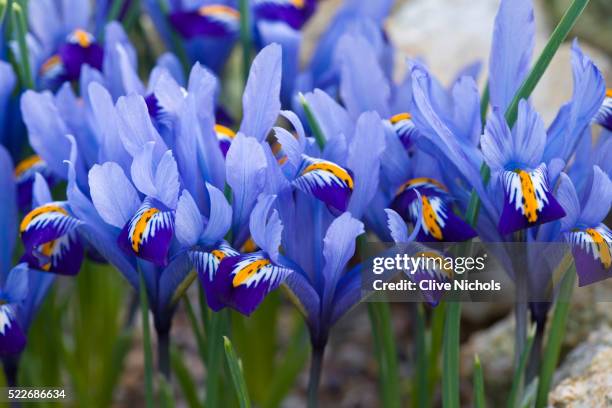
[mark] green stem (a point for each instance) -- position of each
(314, 378)
(420, 380)
(519, 372)
(555, 337)
(163, 353)
(146, 343)
(218, 326)
(115, 10)
(19, 22)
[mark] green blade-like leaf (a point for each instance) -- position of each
(21, 29)
(184, 379)
(236, 374)
(146, 342)
(555, 336)
(519, 372)
(420, 382)
(313, 123)
(479, 392)
(386, 353)
(450, 356)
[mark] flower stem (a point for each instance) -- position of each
(316, 365)
(21, 28)
(11, 368)
(146, 343)
(245, 38)
(163, 353)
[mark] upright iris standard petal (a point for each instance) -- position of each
(243, 281)
(428, 200)
(404, 128)
(216, 20)
(604, 115)
(325, 180)
(148, 234)
(24, 173)
(49, 235)
(206, 264)
(12, 338)
(592, 250)
(293, 12)
(527, 200)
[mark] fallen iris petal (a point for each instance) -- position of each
(327, 181)
(148, 234)
(243, 281)
(527, 200)
(206, 264)
(215, 20)
(12, 338)
(438, 221)
(604, 115)
(591, 248)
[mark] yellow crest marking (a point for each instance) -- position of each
(47, 249)
(27, 164)
(82, 37)
(430, 218)
(602, 246)
(399, 117)
(248, 271)
(225, 131)
(609, 93)
(218, 9)
(298, 3)
(336, 170)
(49, 64)
(530, 203)
(249, 246)
(140, 227)
(38, 212)
(219, 254)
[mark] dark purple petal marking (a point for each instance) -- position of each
(527, 200)
(592, 250)
(148, 234)
(12, 338)
(207, 264)
(24, 175)
(327, 181)
(405, 129)
(438, 221)
(243, 281)
(63, 255)
(432, 268)
(225, 136)
(293, 12)
(215, 20)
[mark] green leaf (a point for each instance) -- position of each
(184, 378)
(479, 392)
(21, 29)
(555, 336)
(217, 328)
(420, 380)
(3, 7)
(436, 336)
(166, 399)
(290, 366)
(236, 374)
(519, 372)
(450, 356)
(146, 342)
(554, 42)
(313, 123)
(386, 353)
(245, 38)
(195, 327)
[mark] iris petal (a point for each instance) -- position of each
(438, 221)
(12, 338)
(405, 129)
(527, 200)
(327, 181)
(604, 115)
(148, 234)
(214, 20)
(243, 281)
(24, 174)
(592, 250)
(206, 264)
(293, 12)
